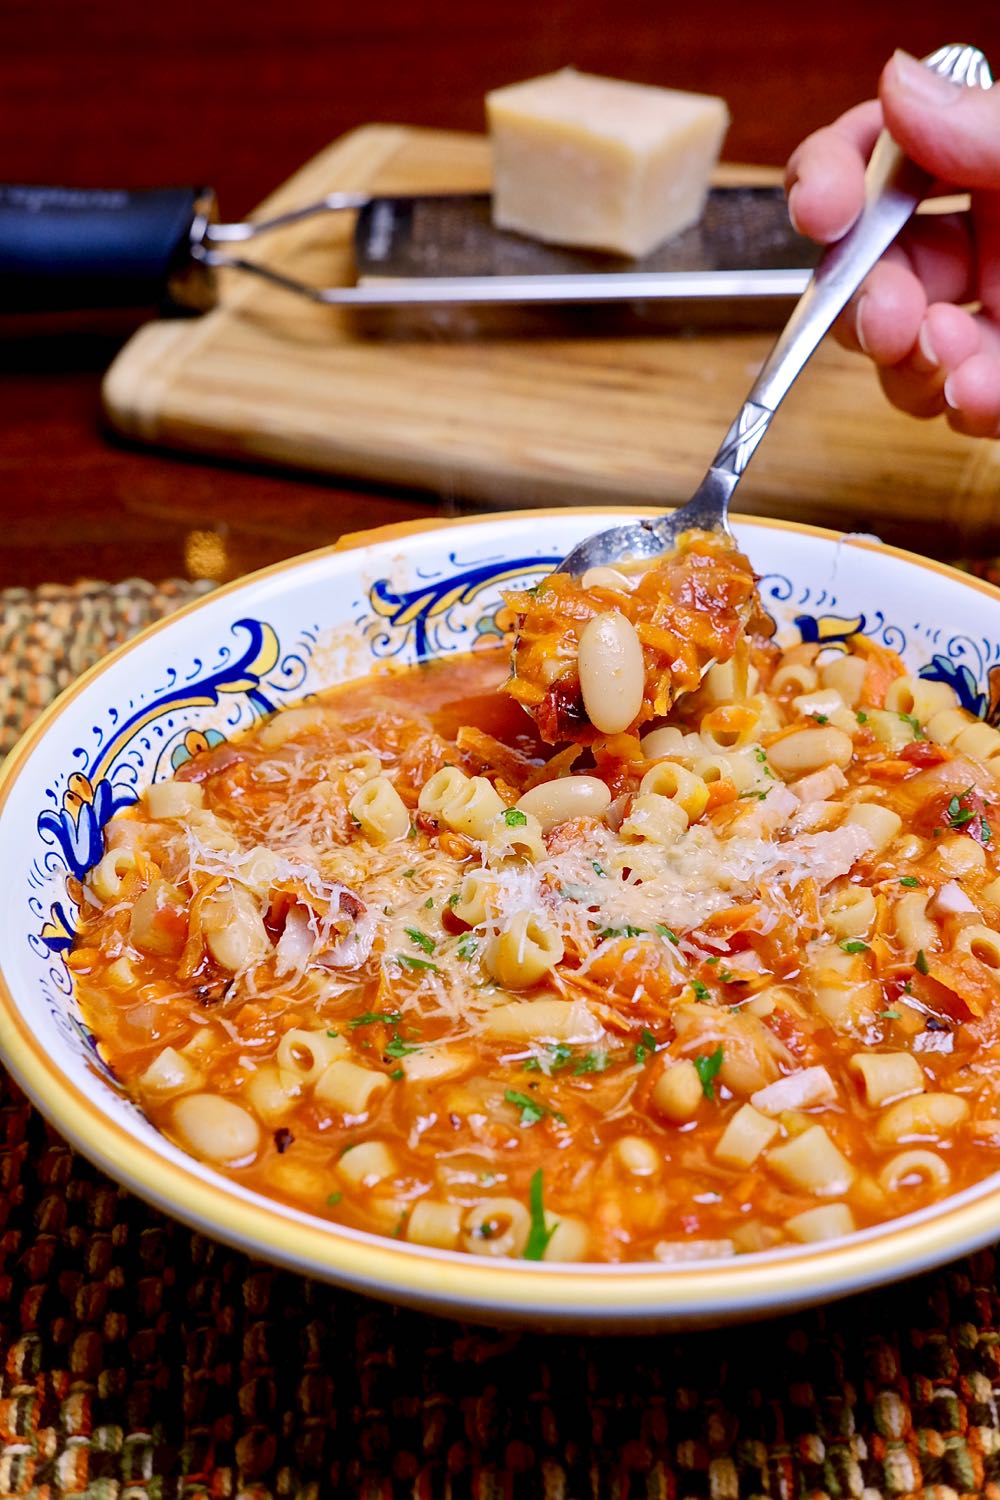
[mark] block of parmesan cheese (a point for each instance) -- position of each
(582, 160)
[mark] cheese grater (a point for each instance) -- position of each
(85, 248)
(447, 249)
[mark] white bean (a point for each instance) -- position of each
(810, 749)
(216, 1128)
(554, 802)
(612, 674)
(607, 578)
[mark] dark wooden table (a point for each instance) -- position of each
(238, 95)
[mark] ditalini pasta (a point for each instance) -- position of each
(730, 986)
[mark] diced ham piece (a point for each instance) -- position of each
(951, 901)
(684, 1250)
(797, 1091)
(819, 786)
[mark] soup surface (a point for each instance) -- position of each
(392, 960)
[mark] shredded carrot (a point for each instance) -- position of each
(883, 667)
(809, 903)
(891, 769)
(455, 844)
(734, 918)
(719, 793)
(973, 985)
(83, 958)
(194, 945)
(558, 766)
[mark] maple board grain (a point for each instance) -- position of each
(565, 410)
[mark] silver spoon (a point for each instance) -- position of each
(894, 186)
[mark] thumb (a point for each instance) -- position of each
(949, 129)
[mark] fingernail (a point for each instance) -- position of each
(792, 191)
(921, 84)
(857, 324)
(949, 394)
(926, 348)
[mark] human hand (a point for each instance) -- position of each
(932, 354)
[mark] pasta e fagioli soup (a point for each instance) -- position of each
(729, 983)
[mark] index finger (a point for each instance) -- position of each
(825, 176)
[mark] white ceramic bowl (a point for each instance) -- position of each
(426, 588)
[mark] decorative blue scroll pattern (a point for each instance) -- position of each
(964, 663)
(456, 607)
(152, 734)
(431, 612)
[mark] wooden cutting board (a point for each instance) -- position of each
(568, 409)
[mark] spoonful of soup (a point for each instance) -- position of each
(637, 614)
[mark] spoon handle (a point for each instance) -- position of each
(894, 186)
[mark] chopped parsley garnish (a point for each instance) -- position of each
(645, 1047)
(372, 1017)
(420, 938)
(515, 818)
(665, 932)
(918, 733)
(333, 1033)
(576, 893)
(334, 1199)
(454, 899)
(861, 716)
(428, 904)
(920, 962)
(398, 1048)
(909, 880)
(761, 756)
(560, 1054)
(714, 959)
(820, 718)
(726, 976)
(751, 793)
(853, 945)
(539, 1234)
(531, 1110)
(467, 946)
(413, 831)
(891, 1015)
(408, 874)
(958, 815)
(598, 870)
(701, 990)
(407, 962)
(397, 1074)
(707, 1068)
(591, 1062)
(626, 932)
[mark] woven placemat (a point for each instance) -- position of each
(139, 1361)
(49, 635)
